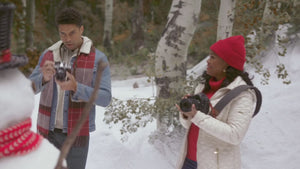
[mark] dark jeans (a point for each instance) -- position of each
(77, 156)
(189, 164)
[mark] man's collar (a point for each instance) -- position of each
(85, 47)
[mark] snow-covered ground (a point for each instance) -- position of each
(272, 141)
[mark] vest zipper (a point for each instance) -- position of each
(217, 156)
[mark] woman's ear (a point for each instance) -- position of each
(226, 68)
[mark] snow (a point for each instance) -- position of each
(272, 141)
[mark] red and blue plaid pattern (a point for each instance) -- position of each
(83, 68)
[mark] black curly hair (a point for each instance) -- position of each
(69, 16)
(231, 74)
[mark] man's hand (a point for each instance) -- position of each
(48, 71)
(69, 84)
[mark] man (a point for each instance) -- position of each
(62, 99)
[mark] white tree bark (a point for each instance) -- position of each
(225, 19)
(267, 15)
(267, 32)
(171, 52)
(109, 6)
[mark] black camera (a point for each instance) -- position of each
(61, 71)
(200, 101)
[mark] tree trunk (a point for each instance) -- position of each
(267, 32)
(109, 7)
(137, 25)
(21, 31)
(30, 16)
(296, 3)
(267, 13)
(171, 57)
(225, 19)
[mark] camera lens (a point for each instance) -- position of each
(185, 105)
(61, 74)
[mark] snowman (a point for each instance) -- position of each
(19, 146)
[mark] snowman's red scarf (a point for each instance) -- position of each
(83, 68)
(18, 139)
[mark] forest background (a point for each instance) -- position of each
(137, 26)
(134, 43)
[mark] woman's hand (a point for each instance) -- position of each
(187, 115)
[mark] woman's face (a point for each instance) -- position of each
(216, 66)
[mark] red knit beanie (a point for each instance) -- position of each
(232, 51)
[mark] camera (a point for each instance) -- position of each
(61, 71)
(200, 101)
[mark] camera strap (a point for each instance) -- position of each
(235, 92)
(75, 63)
(76, 57)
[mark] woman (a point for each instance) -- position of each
(213, 142)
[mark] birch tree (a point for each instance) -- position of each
(171, 57)
(20, 34)
(267, 12)
(30, 15)
(137, 24)
(266, 33)
(109, 7)
(225, 19)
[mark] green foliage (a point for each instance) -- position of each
(135, 113)
(259, 69)
(282, 73)
(138, 112)
(132, 113)
(249, 21)
(294, 20)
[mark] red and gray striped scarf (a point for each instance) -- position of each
(83, 68)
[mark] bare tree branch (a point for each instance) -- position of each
(71, 138)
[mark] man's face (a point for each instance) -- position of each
(70, 34)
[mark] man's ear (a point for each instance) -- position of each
(81, 29)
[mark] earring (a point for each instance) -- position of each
(224, 70)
